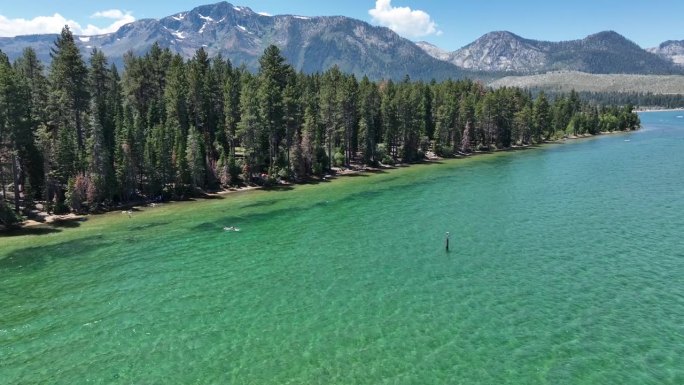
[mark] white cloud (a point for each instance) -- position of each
(403, 20)
(120, 18)
(111, 14)
(39, 24)
(55, 23)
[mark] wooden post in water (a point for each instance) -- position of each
(447, 241)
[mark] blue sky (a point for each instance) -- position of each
(449, 24)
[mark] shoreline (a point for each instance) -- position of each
(55, 220)
(653, 109)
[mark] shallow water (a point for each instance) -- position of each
(565, 267)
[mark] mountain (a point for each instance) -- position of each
(602, 53)
(310, 44)
(672, 50)
(433, 50)
(500, 51)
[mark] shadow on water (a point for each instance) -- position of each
(243, 220)
(66, 224)
(358, 175)
(278, 188)
(33, 230)
(246, 218)
(238, 220)
(34, 258)
(148, 226)
(330, 178)
(388, 179)
(209, 226)
(376, 171)
(41, 229)
(265, 203)
(365, 194)
(212, 197)
(313, 181)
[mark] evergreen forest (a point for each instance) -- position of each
(82, 135)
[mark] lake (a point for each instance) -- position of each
(565, 267)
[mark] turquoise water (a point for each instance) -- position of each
(565, 267)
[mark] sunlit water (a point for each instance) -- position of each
(566, 267)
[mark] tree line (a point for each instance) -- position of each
(640, 99)
(81, 135)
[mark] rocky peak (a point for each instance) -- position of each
(672, 50)
(603, 52)
(433, 50)
(499, 51)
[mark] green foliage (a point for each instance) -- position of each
(272, 80)
(195, 157)
(8, 217)
(541, 118)
(319, 162)
(339, 159)
(388, 160)
(77, 192)
(82, 136)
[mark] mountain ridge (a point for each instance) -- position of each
(603, 52)
(310, 44)
(672, 50)
(314, 44)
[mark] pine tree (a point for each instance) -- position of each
(99, 162)
(329, 108)
(272, 80)
(389, 120)
(68, 96)
(447, 118)
(201, 111)
(68, 100)
(466, 113)
(102, 121)
(541, 119)
(124, 158)
(348, 109)
(522, 126)
(195, 157)
(313, 132)
(231, 102)
(221, 70)
(293, 115)
(177, 118)
(30, 71)
(14, 126)
(250, 129)
(369, 120)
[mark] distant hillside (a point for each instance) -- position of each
(602, 53)
(672, 50)
(501, 51)
(433, 50)
(310, 44)
(579, 81)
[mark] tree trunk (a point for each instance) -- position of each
(15, 177)
(330, 152)
(288, 144)
(2, 181)
(79, 133)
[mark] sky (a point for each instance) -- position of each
(449, 24)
